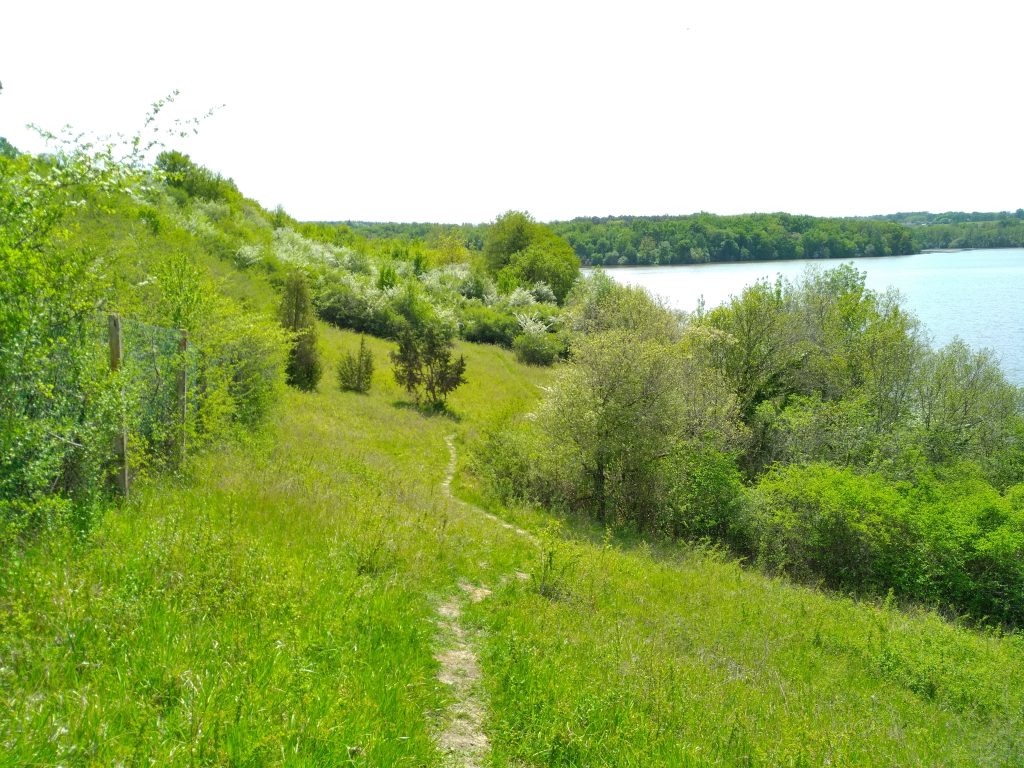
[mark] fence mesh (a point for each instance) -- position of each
(156, 374)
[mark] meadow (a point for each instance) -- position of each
(276, 604)
(549, 569)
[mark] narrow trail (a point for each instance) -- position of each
(446, 485)
(462, 738)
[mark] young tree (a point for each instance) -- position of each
(355, 371)
(521, 251)
(615, 419)
(304, 369)
(510, 233)
(424, 365)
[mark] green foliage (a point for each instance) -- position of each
(827, 387)
(193, 180)
(537, 348)
(522, 252)
(387, 277)
(758, 345)
(548, 260)
(617, 416)
(8, 150)
(346, 302)
(704, 497)
(304, 368)
(355, 371)
(705, 237)
(953, 542)
(824, 368)
(423, 363)
(965, 406)
(489, 325)
(818, 522)
(510, 233)
(956, 229)
(597, 303)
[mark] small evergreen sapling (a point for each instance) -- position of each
(304, 369)
(423, 364)
(355, 371)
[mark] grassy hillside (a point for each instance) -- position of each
(304, 589)
(278, 606)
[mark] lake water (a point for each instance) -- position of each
(976, 295)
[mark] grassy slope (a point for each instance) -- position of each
(277, 607)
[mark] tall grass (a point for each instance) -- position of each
(275, 608)
(277, 605)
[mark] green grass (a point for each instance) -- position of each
(695, 661)
(276, 607)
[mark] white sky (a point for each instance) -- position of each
(458, 111)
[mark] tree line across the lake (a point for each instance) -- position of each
(707, 238)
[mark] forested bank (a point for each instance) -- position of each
(807, 426)
(708, 238)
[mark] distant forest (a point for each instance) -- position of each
(704, 237)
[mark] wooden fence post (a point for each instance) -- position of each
(121, 476)
(183, 391)
(114, 328)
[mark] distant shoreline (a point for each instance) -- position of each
(785, 261)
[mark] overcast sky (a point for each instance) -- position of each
(456, 112)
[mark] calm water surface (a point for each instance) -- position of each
(976, 295)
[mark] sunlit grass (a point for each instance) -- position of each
(277, 606)
(688, 659)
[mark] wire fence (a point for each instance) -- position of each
(89, 400)
(155, 370)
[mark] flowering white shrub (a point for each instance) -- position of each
(542, 292)
(248, 255)
(520, 297)
(292, 248)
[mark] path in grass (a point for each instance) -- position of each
(463, 740)
(449, 474)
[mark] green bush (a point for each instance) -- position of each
(849, 531)
(537, 348)
(972, 545)
(705, 496)
(486, 325)
(953, 542)
(355, 371)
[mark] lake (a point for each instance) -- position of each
(976, 295)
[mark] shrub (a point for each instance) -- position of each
(536, 348)
(822, 523)
(355, 371)
(704, 496)
(953, 542)
(489, 326)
